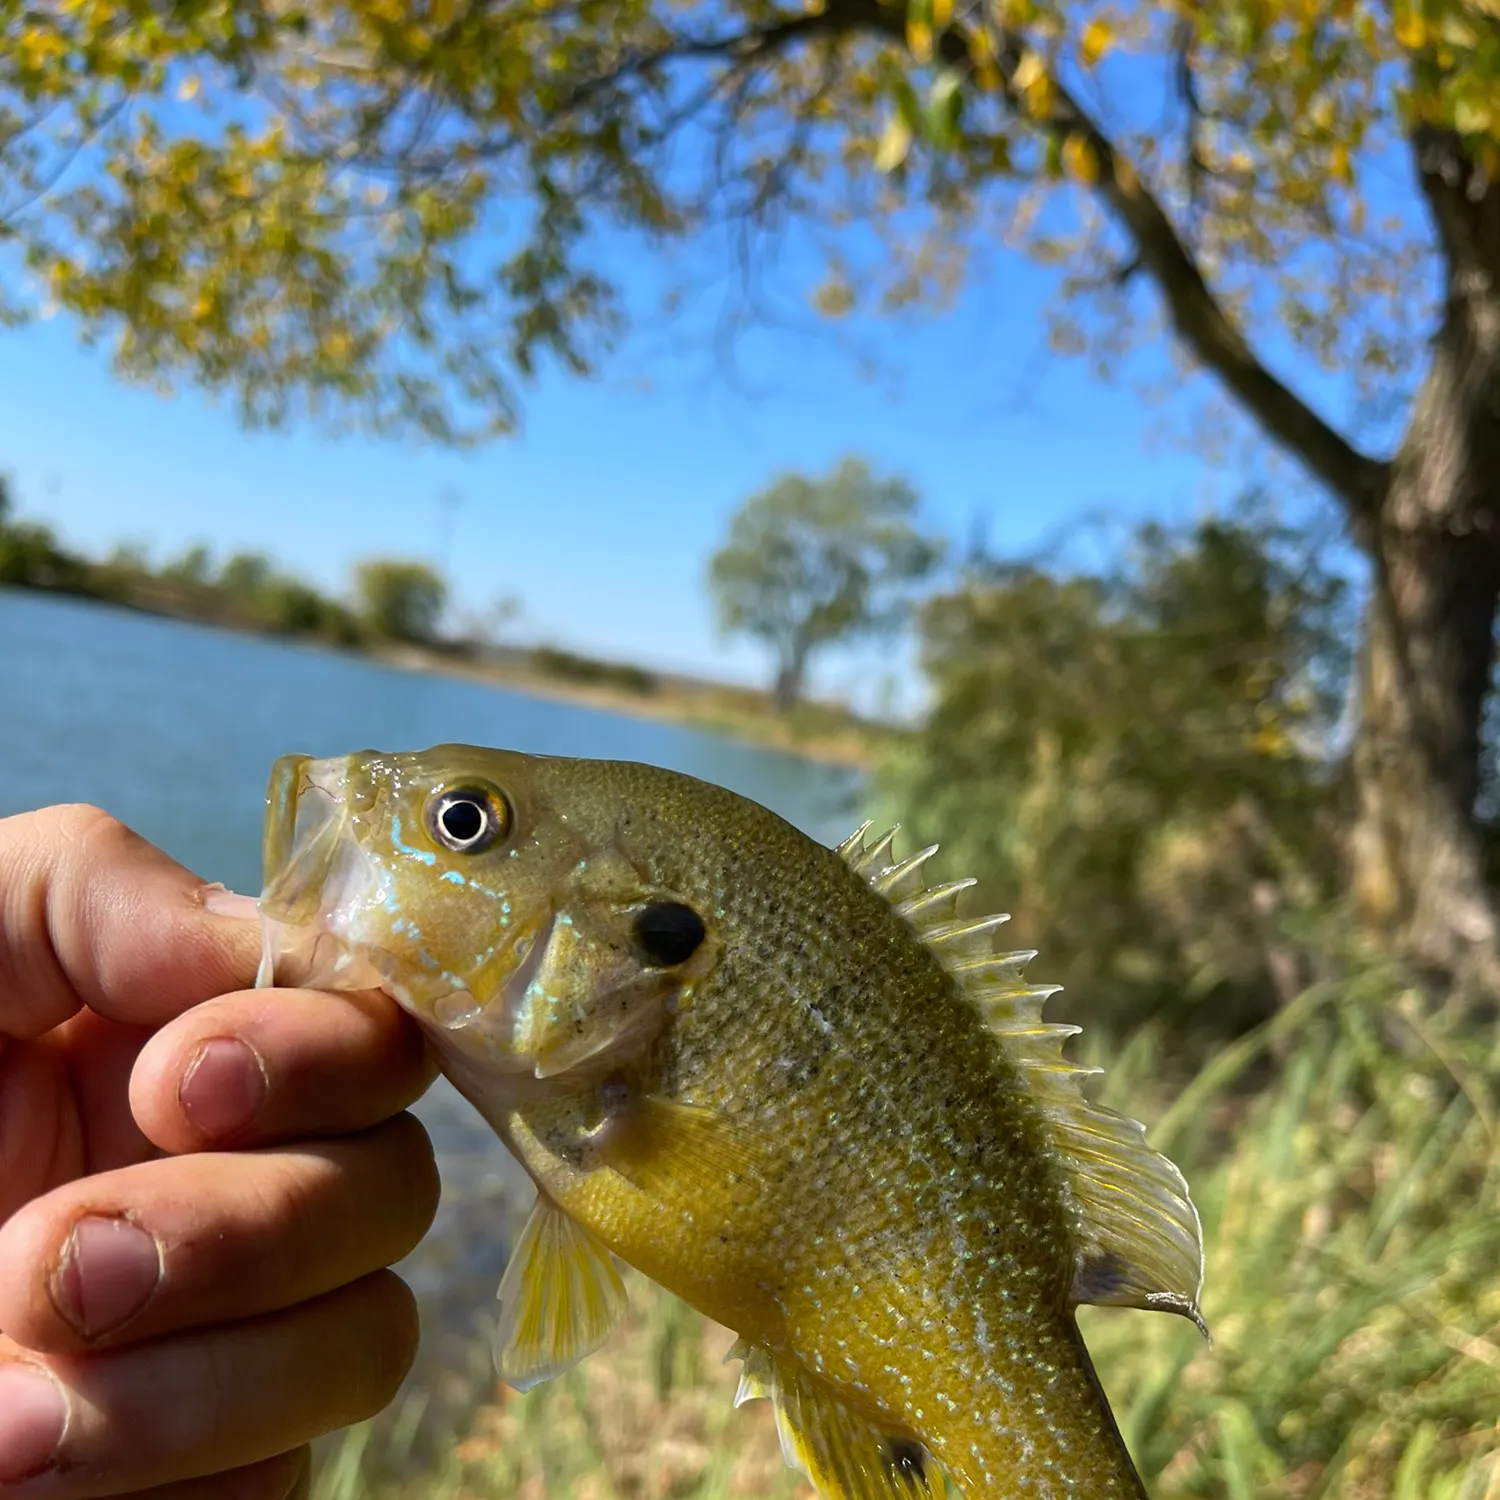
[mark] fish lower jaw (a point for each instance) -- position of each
(463, 1027)
(306, 956)
(309, 956)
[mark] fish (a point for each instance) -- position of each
(791, 1084)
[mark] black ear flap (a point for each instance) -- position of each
(667, 933)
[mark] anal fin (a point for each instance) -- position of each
(560, 1298)
(844, 1454)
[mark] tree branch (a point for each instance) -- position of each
(1199, 319)
(1465, 207)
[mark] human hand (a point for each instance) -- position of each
(183, 1324)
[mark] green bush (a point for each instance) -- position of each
(1134, 765)
(552, 661)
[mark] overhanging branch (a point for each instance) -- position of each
(1197, 316)
(1199, 319)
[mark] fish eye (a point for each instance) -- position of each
(467, 819)
(667, 933)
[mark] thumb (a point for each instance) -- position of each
(93, 915)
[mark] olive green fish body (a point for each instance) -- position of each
(761, 1072)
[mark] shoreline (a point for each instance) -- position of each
(669, 704)
(740, 714)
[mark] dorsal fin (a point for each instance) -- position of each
(1140, 1243)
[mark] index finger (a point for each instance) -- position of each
(91, 914)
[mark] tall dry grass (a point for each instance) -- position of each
(1351, 1205)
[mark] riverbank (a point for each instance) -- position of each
(827, 733)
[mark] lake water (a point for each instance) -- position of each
(173, 728)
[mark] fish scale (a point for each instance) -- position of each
(838, 1125)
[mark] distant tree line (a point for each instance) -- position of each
(394, 599)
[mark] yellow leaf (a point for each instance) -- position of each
(1096, 40)
(895, 142)
(1410, 28)
(919, 29)
(1471, 116)
(1079, 160)
(1271, 739)
(942, 14)
(834, 297)
(1040, 97)
(1339, 166)
(1028, 70)
(1032, 82)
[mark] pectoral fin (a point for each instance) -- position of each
(844, 1454)
(666, 1148)
(560, 1298)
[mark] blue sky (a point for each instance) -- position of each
(601, 512)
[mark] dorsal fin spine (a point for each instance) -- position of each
(1140, 1242)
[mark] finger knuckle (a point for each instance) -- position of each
(87, 828)
(393, 1332)
(419, 1170)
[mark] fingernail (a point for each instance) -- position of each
(223, 1088)
(33, 1421)
(221, 903)
(109, 1270)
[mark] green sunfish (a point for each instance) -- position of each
(788, 1083)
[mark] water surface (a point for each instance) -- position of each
(173, 728)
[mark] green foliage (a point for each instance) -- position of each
(810, 562)
(246, 576)
(29, 552)
(1137, 765)
(248, 591)
(554, 662)
(30, 556)
(399, 599)
(193, 570)
(298, 205)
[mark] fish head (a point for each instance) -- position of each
(486, 891)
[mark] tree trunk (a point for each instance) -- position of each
(1418, 859)
(790, 676)
(1434, 544)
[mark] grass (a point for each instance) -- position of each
(652, 1415)
(1352, 1215)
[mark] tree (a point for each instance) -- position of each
(246, 577)
(1137, 764)
(400, 600)
(813, 561)
(1222, 167)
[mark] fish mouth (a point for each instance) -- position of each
(317, 878)
(325, 906)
